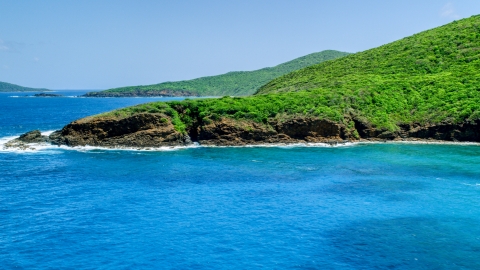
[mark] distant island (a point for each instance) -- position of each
(237, 83)
(47, 95)
(423, 87)
(8, 87)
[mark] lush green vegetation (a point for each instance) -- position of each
(237, 83)
(8, 87)
(255, 108)
(430, 77)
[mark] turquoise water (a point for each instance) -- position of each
(367, 206)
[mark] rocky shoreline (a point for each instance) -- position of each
(47, 95)
(147, 130)
(22, 142)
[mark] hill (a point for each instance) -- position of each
(426, 86)
(430, 77)
(8, 87)
(237, 83)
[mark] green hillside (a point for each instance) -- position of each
(8, 87)
(433, 54)
(237, 83)
(428, 78)
(432, 76)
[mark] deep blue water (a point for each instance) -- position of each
(367, 206)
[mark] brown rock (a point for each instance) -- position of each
(235, 132)
(141, 130)
(154, 130)
(32, 137)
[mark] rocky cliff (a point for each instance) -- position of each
(141, 130)
(155, 130)
(231, 132)
(445, 131)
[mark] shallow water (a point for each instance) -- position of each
(364, 206)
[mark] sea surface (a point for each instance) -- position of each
(357, 206)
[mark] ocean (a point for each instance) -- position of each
(354, 206)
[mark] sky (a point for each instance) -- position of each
(93, 44)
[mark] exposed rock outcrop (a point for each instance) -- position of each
(34, 136)
(141, 130)
(446, 131)
(24, 140)
(468, 131)
(154, 130)
(231, 132)
(47, 95)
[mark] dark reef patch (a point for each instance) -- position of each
(419, 243)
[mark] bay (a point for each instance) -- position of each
(361, 206)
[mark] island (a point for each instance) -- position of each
(422, 87)
(236, 83)
(9, 87)
(47, 95)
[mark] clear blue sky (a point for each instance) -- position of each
(103, 44)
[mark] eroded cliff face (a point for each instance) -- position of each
(154, 130)
(232, 132)
(141, 130)
(468, 131)
(462, 132)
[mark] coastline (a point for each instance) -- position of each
(159, 130)
(36, 147)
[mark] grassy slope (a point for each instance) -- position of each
(236, 83)
(429, 77)
(8, 87)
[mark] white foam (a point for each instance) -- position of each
(47, 133)
(472, 185)
(32, 147)
(285, 145)
(425, 142)
(147, 149)
(4, 140)
(36, 147)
